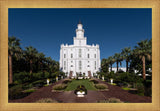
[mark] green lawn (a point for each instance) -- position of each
(73, 85)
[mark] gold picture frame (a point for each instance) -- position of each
(154, 4)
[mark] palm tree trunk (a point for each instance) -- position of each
(107, 68)
(10, 70)
(126, 66)
(144, 71)
(111, 67)
(30, 66)
(117, 66)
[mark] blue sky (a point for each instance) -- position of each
(112, 29)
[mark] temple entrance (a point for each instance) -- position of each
(71, 74)
(89, 74)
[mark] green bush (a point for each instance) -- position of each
(111, 75)
(123, 79)
(53, 75)
(46, 74)
(148, 87)
(27, 86)
(30, 90)
(15, 92)
(112, 72)
(39, 83)
(37, 76)
(66, 81)
(94, 81)
(59, 87)
(101, 86)
(140, 89)
(46, 100)
(21, 77)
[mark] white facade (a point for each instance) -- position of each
(115, 69)
(79, 58)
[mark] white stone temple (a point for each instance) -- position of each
(79, 59)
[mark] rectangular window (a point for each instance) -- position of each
(80, 65)
(88, 55)
(64, 65)
(71, 55)
(80, 52)
(64, 55)
(95, 65)
(94, 55)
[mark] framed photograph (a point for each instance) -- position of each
(79, 55)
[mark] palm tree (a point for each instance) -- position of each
(56, 65)
(13, 49)
(30, 54)
(104, 64)
(143, 50)
(41, 58)
(111, 61)
(118, 59)
(52, 67)
(126, 55)
(49, 61)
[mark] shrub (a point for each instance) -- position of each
(21, 77)
(46, 74)
(39, 83)
(94, 81)
(46, 85)
(67, 81)
(101, 86)
(37, 76)
(53, 75)
(27, 86)
(59, 87)
(29, 90)
(15, 92)
(148, 87)
(110, 100)
(140, 89)
(46, 100)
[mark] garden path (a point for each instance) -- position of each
(91, 97)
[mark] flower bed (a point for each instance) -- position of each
(59, 87)
(94, 81)
(67, 81)
(101, 86)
